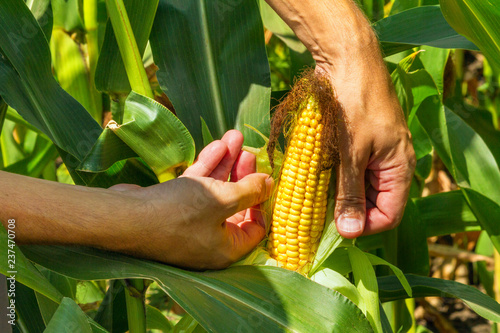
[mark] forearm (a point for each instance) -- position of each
(334, 31)
(53, 213)
(345, 47)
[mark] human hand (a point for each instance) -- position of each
(200, 220)
(377, 157)
(375, 142)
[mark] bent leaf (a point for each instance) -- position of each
(156, 135)
(485, 306)
(365, 280)
(262, 298)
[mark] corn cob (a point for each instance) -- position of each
(300, 207)
(300, 203)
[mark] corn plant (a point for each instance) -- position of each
(65, 65)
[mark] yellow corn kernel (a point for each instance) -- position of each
(300, 207)
(293, 260)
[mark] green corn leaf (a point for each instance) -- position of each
(34, 164)
(129, 50)
(111, 75)
(469, 160)
(441, 213)
(112, 312)
(27, 273)
(12, 151)
(399, 6)
(88, 292)
(446, 213)
(205, 132)
(481, 121)
(108, 150)
(187, 324)
(485, 247)
(42, 11)
(434, 61)
(156, 320)
(28, 86)
(131, 171)
(485, 306)
(156, 135)
(69, 317)
(339, 261)
(374, 9)
(418, 26)
(67, 15)
(420, 140)
(336, 281)
(3, 112)
(28, 312)
(374, 260)
(13, 116)
(487, 212)
(412, 252)
(47, 307)
(263, 298)
(73, 74)
(479, 21)
(330, 239)
(365, 280)
(30, 276)
(218, 73)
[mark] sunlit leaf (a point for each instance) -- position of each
(418, 26)
(267, 299)
(111, 76)
(27, 83)
(479, 20)
(156, 135)
(423, 286)
(217, 72)
(365, 280)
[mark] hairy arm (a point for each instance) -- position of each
(198, 221)
(377, 158)
(51, 213)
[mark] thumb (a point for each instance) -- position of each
(350, 204)
(251, 190)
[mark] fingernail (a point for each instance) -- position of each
(350, 225)
(269, 186)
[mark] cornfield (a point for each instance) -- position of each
(102, 92)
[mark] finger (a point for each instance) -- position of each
(208, 159)
(245, 164)
(350, 201)
(238, 217)
(249, 191)
(245, 236)
(255, 214)
(233, 139)
(388, 191)
(251, 214)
